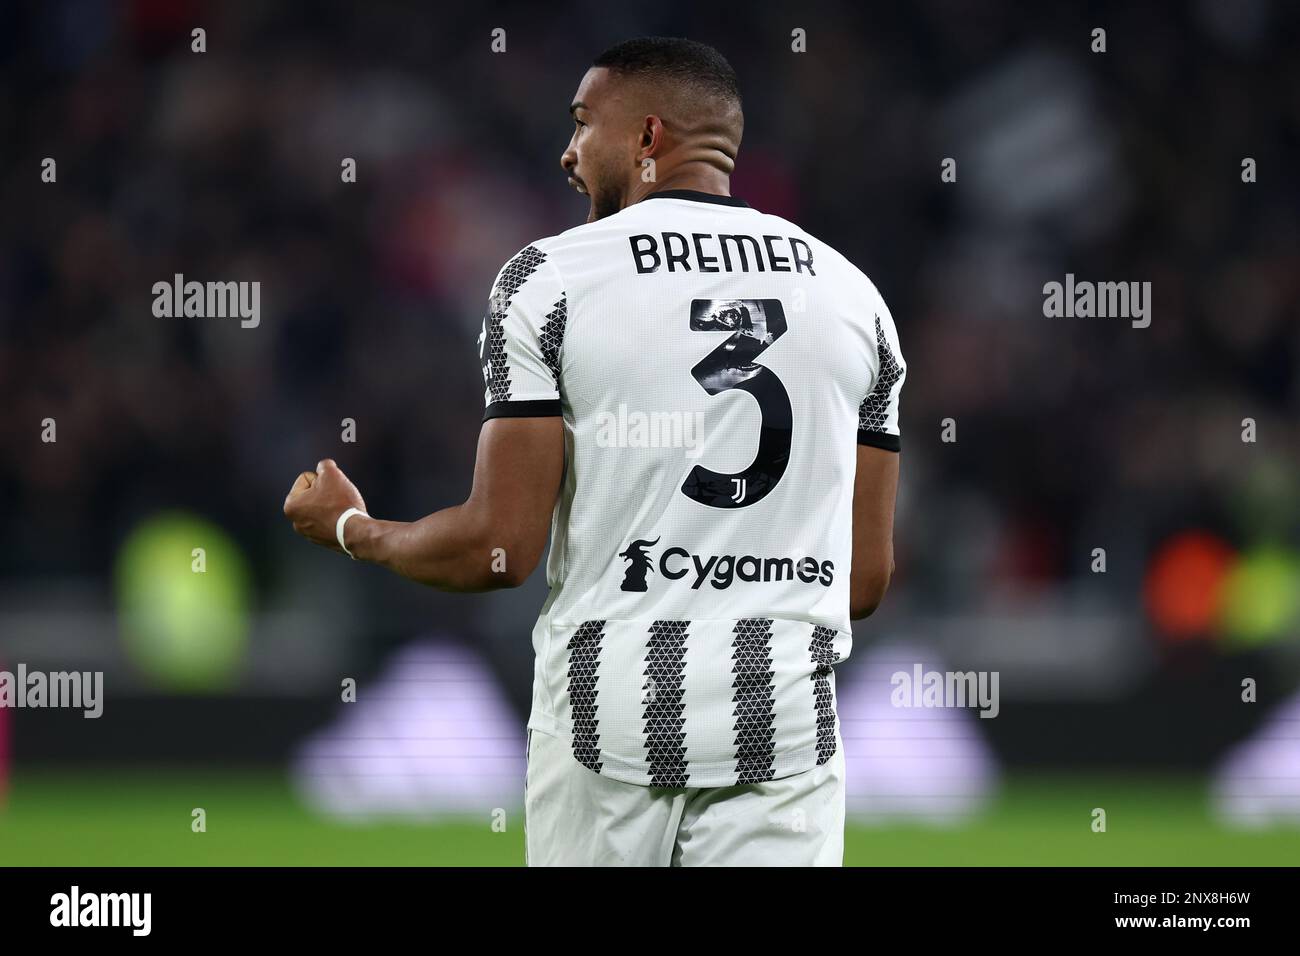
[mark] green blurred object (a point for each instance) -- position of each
(253, 819)
(1261, 597)
(183, 615)
(1266, 500)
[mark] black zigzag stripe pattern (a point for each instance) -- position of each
(513, 276)
(665, 724)
(875, 407)
(553, 337)
(753, 686)
(584, 661)
(823, 655)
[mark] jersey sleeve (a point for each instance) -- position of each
(523, 331)
(878, 414)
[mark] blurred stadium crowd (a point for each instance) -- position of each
(1071, 434)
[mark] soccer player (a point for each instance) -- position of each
(699, 401)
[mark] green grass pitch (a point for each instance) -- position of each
(253, 818)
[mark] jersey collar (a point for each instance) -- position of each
(697, 196)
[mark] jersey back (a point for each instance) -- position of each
(715, 368)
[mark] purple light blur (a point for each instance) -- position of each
(915, 765)
(432, 736)
(1258, 783)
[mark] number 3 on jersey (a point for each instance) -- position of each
(754, 324)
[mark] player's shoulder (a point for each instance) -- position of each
(822, 250)
(552, 247)
(576, 251)
(585, 233)
(835, 261)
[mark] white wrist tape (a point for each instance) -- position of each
(338, 529)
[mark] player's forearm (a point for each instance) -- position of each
(452, 550)
(868, 582)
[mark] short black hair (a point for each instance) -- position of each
(689, 62)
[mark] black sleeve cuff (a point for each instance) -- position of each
(878, 440)
(542, 408)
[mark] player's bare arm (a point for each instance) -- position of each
(493, 540)
(874, 491)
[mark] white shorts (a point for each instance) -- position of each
(575, 817)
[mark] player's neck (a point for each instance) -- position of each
(708, 179)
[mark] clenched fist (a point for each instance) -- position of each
(317, 499)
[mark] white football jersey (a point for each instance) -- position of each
(715, 368)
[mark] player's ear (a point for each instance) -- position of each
(652, 137)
